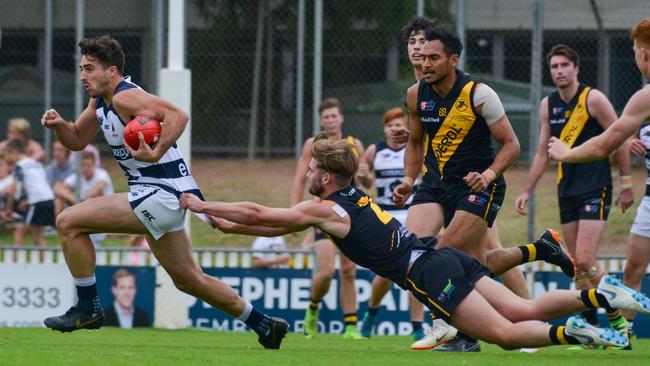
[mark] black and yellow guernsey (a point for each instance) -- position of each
(572, 123)
(458, 140)
(376, 240)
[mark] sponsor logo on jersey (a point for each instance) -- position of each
(427, 105)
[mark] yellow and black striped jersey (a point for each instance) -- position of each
(376, 240)
(458, 138)
(567, 119)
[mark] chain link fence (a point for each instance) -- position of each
(260, 66)
(244, 56)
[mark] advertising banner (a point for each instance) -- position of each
(285, 293)
(30, 293)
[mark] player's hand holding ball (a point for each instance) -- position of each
(140, 137)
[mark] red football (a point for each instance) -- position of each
(149, 127)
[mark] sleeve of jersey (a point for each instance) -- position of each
(492, 109)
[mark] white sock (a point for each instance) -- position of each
(247, 311)
(83, 282)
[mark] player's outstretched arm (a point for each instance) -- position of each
(137, 102)
(77, 135)
(296, 218)
(635, 113)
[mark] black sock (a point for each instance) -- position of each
(528, 253)
(558, 335)
(417, 325)
(373, 311)
(88, 299)
(350, 319)
(591, 316)
(313, 304)
(258, 322)
(593, 300)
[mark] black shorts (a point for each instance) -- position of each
(40, 214)
(455, 195)
(587, 206)
(441, 279)
(319, 234)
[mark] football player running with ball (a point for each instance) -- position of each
(156, 177)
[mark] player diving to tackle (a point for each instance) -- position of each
(156, 177)
(453, 285)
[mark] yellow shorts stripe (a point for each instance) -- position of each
(487, 209)
(592, 297)
(428, 298)
(602, 203)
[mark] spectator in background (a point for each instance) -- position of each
(60, 167)
(123, 313)
(262, 255)
(29, 174)
(90, 148)
(95, 182)
(6, 181)
(20, 129)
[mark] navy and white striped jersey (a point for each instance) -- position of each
(170, 172)
(389, 173)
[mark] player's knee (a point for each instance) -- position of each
(506, 339)
(326, 272)
(188, 283)
(633, 272)
(64, 222)
(348, 273)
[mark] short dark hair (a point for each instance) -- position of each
(450, 39)
(121, 273)
(415, 25)
(329, 103)
(105, 49)
(563, 50)
(16, 146)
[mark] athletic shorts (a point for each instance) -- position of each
(641, 226)
(157, 209)
(40, 214)
(587, 206)
(455, 195)
(441, 279)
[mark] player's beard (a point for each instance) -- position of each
(316, 188)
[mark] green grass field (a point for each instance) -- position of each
(110, 346)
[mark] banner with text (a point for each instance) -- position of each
(285, 293)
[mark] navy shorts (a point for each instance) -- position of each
(587, 206)
(441, 279)
(319, 234)
(40, 214)
(455, 195)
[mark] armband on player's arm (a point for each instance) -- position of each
(492, 109)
